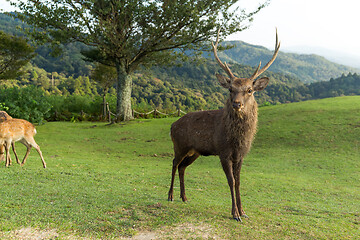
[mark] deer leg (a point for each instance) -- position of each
(228, 169)
(41, 156)
(236, 170)
(8, 160)
(182, 166)
(2, 152)
(28, 148)
(177, 160)
(16, 156)
(31, 142)
(171, 190)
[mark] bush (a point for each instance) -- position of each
(27, 103)
(75, 108)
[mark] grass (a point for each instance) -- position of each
(300, 181)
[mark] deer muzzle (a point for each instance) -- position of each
(238, 106)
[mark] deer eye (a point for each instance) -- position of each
(250, 91)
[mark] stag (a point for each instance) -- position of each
(228, 132)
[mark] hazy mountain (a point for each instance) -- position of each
(332, 55)
(307, 67)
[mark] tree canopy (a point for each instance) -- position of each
(15, 52)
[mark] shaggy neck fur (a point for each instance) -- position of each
(240, 127)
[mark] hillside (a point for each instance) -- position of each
(188, 87)
(201, 79)
(70, 63)
(306, 67)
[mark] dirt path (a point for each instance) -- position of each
(183, 231)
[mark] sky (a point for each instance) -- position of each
(301, 24)
(305, 23)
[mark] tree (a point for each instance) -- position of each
(129, 33)
(15, 52)
(105, 76)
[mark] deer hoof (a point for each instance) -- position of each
(170, 199)
(184, 199)
(245, 216)
(238, 219)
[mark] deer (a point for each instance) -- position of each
(13, 130)
(3, 117)
(227, 132)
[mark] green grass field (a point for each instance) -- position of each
(301, 180)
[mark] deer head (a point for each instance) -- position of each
(242, 89)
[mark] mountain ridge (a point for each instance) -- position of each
(336, 56)
(306, 67)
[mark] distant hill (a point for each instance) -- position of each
(70, 63)
(344, 58)
(307, 68)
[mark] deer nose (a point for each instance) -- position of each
(238, 105)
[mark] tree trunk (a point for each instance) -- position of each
(104, 105)
(123, 96)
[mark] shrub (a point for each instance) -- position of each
(75, 108)
(27, 103)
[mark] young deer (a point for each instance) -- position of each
(227, 132)
(3, 117)
(14, 130)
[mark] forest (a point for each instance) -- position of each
(62, 88)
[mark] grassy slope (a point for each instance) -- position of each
(301, 179)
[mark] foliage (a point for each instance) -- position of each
(300, 180)
(344, 85)
(70, 62)
(188, 87)
(11, 25)
(75, 108)
(104, 75)
(26, 103)
(14, 53)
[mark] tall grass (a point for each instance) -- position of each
(300, 181)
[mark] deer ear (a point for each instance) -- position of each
(260, 84)
(224, 81)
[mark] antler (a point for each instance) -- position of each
(259, 71)
(222, 65)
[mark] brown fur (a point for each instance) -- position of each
(228, 133)
(14, 130)
(240, 128)
(3, 117)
